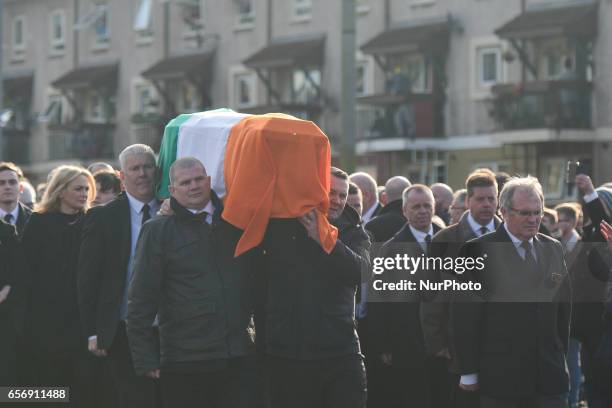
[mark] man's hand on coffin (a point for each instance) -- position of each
(165, 208)
(309, 221)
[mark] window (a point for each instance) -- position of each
(97, 20)
(364, 74)
(306, 84)
(101, 26)
(192, 15)
(553, 182)
(19, 43)
(54, 112)
(553, 54)
(189, 98)
(489, 66)
(142, 21)
(410, 71)
(144, 98)
(244, 90)
(58, 30)
(95, 111)
(302, 10)
(246, 13)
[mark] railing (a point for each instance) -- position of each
(15, 146)
(87, 141)
(386, 116)
(543, 104)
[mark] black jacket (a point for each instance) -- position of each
(103, 262)
(185, 271)
(389, 220)
(395, 325)
(434, 312)
(22, 218)
(51, 245)
(306, 306)
(12, 273)
(514, 332)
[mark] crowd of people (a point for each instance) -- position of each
(135, 302)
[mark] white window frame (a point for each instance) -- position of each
(57, 44)
(55, 101)
(245, 20)
(190, 32)
(480, 53)
(235, 72)
(549, 44)
(183, 85)
(479, 89)
(20, 48)
(301, 10)
(368, 63)
(143, 22)
(102, 42)
(141, 83)
(560, 191)
(91, 113)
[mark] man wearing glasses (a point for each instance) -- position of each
(510, 338)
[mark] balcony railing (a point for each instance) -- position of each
(86, 141)
(543, 104)
(15, 146)
(387, 115)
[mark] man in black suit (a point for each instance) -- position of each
(390, 218)
(480, 219)
(186, 271)
(105, 270)
(11, 210)
(367, 185)
(11, 302)
(393, 316)
(510, 337)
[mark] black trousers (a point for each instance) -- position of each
(232, 387)
(338, 382)
(133, 391)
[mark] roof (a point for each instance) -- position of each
(82, 77)
(576, 20)
(289, 52)
(407, 38)
(180, 66)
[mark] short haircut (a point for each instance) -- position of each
(460, 195)
(501, 178)
(133, 150)
(353, 189)
(184, 163)
(552, 214)
(420, 188)
(528, 184)
(395, 186)
(480, 178)
(99, 166)
(567, 209)
(341, 174)
(108, 181)
(9, 166)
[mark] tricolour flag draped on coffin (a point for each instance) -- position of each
(262, 166)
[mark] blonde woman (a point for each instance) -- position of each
(57, 345)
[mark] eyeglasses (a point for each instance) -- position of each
(452, 207)
(525, 213)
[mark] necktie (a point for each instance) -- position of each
(8, 218)
(146, 213)
(483, 230)
(427, 244)
(529, 258)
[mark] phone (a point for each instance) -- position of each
(570, 171)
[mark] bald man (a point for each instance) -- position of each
(390, 219)
(443, 195)
(369, 190)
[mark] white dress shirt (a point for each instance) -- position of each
(475, 226)
(14, 212)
